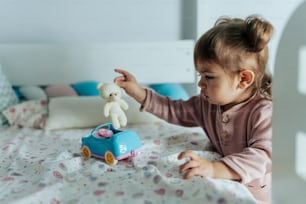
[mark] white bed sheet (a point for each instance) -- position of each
(39, 166)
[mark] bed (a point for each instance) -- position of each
(40, 148)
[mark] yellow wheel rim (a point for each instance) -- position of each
(86, 152)
(109, 158)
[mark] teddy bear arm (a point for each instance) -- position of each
(124, 104)
(107, 109)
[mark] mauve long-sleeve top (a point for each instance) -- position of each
(242, 134)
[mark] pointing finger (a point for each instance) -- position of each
(125, 74)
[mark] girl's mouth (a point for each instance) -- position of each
(203, 93)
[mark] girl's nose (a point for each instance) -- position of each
(202, 83)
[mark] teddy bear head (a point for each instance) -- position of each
(109, 91)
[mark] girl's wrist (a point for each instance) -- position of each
(221, 170)
(141, 96)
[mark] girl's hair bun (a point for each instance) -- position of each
(258, 33)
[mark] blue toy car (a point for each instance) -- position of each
(110, 144)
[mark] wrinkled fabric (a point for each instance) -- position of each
(39, 166)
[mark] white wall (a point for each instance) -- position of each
(95, 21)
(90, 21)
(75, 21)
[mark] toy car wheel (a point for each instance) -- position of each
(86, 152)
(110, 158)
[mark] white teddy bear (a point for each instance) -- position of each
(114, 104)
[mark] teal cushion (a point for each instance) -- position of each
(173, 91)
(18, 93)
(86, 88)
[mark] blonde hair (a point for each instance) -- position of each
(237, 44)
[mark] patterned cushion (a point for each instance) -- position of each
(28, 114)
(7, 96)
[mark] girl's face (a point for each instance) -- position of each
(218, 86)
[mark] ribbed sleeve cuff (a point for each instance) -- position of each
(147, 100)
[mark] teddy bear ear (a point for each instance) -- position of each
(99, 86)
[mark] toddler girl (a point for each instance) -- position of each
(234, 107)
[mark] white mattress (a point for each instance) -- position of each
(39, 166)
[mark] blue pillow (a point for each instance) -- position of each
(173, 91)
(86, 88)
(18, 93)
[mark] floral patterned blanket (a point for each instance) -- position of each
(38, 166)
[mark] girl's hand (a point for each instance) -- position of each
(196, 166)
(128, 82)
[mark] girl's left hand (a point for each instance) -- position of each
(196, 166)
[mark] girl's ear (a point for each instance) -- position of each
(246, 78)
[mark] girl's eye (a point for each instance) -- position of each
(209, 77)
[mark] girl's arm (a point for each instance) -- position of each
(177, 112)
